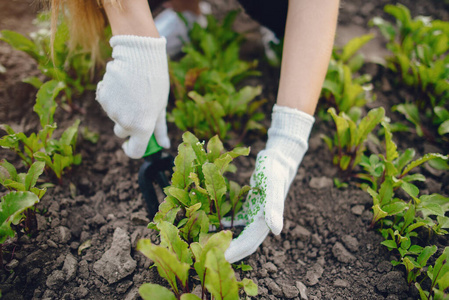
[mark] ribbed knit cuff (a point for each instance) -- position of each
(289, 131)
(139, 50)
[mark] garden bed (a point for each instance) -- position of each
(94, 220)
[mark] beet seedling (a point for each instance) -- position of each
(58, 154)
(198, 198)
(419, 49)
(341, 89)
(348, 144)
(72, 68)
(204, 84)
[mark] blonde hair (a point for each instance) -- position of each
(86, 21)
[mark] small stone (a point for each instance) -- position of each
(384, 266)
(81, 292)
(275, 289)
(116, 263)
(12, 264)
(64, 235)
(270, 267)
(302, 290)
(342, 254)
(263, 273)
(316, 240)
(290, 291)
(139, 218)
(358, 210)
(321, 182)
(55, 280)
(122, 287)
(351, 243)
(301, 233)
(70, 266)
(341, 283)
(98, 220)
(314, 274)
(52, 244)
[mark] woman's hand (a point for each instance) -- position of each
(134, 91)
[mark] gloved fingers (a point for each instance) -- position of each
(136, 146)
(98, 92)
(248, 241)
(120, 131)
(160, 130)
(274, 205)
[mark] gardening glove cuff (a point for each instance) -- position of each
(134, 91)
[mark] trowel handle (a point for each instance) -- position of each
(152, 147)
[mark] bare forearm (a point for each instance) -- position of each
(131, 18)
(308, 42)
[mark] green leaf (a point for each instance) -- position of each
(220, 240)
(214, 148)
(354, 45)
(443, 128)
(371, 120)
(20, 42)
(183, 166)
(45, 101)
(220, 277)
(68, 137)
(420, 161)
(150, 291)
(180, 194)
(249, 287)
(394, 208)
(10, 169)
(11, 207)
(168, 265)
(410, 189)
(215, 183)
(190, 297)
(33, 174)
(426, 253)
(171, 240)
(441, 266)
(34, 81)
(390, 244)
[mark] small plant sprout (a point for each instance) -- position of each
(198, 198)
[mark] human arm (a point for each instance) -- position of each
(308, 41)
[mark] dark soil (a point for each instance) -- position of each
(326, 250)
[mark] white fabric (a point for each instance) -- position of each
(276, 167)
(134, 91)
(173, 28)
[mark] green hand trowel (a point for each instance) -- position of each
(157, 167)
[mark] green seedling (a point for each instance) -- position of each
(419, 49)
(391, 171)
(341, 89)
(199, 188)
(72, 68)
(12, 206)
(197, 199)
(204, 84)
(174, 258)
(23, 182)
(348, 144)
(58, 154)
(439, 279)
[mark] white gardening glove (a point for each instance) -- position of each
(276, 167)
(134, 91)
